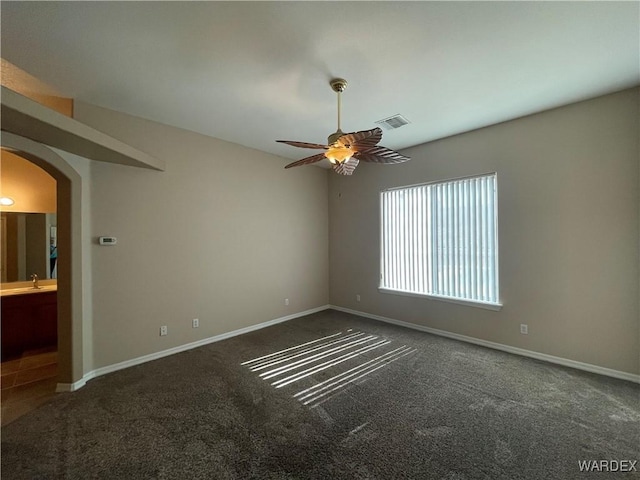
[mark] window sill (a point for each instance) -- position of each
(459, 301)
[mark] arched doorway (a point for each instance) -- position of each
(71, 293)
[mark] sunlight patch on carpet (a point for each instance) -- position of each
(329, 365)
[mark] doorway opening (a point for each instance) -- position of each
(28, 271)
(68, 262)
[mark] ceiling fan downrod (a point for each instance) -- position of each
(338, 85)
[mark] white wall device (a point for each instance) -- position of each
(108, 240)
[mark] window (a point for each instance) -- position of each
(440, 239)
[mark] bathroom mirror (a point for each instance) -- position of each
(29, 245)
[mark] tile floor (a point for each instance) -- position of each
(27, 383)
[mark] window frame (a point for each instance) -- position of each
(497, 305)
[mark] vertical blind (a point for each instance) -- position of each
(441, 239)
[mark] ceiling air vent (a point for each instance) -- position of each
(395, 121)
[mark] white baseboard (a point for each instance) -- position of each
(72, 387)
(499, 346)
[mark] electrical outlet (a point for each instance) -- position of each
(358, 297)
(524, 329)
(163, 331)
(195, 323)
(286, 301)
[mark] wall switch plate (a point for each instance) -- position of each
(357, 297)
(524, 329)
(164, 330)
(286, 301)
(195, 323)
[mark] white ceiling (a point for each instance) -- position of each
(255, 72)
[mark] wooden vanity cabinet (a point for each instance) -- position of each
(29, 322)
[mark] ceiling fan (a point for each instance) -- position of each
(346, 150)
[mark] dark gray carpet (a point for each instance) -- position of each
(447, 410)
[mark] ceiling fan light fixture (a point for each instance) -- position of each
(339, 153)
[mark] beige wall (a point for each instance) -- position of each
(568, 186)
(224, 235)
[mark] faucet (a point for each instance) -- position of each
(34, 277)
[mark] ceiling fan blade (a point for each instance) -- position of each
(362, 140)
(380, 154)
(307, 161)
(347, 167)
(303, 144)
